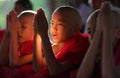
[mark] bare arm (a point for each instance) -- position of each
(4, 58)
(4, 49)
(53, 65)
(38, 58)
(14, 58)
(87, 66)
(108, 65)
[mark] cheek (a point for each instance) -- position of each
(61, 31)
(29, 32)
(50, 30)
(64, 35)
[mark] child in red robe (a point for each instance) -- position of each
(102, 59)
(16, 61)
(68, 48)
(19, 6)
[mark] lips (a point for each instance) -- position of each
(19, 37)
(54, 36)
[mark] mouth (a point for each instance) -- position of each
(19, 37)
(54, 36)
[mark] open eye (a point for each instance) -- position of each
(60, 24)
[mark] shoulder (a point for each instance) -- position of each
(80, 37)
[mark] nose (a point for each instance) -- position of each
(54, 27)
(19, 30)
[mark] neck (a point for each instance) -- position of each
(57, 46)
(60, 45)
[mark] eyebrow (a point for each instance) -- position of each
(62, 21)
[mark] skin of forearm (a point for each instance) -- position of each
(38, 59)
(3, 49)
(108, 65)
(14, 55)
(14, 58)
(49, 56)
(87, 66)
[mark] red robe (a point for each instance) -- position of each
(1, 35)
(117, 53)
(18, 72)
(73, 51)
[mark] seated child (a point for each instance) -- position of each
(19, 6)
(69, 44)
(19, 37)
(103, 56)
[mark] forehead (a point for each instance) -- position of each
(26, 20)
(61, 17)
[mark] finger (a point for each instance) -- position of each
(42, 17)
(41, 13)
(35, 22)
(15, 15)
(105, 8)
(7, 21)
(35, 19)
(9, 16)
(12, 15)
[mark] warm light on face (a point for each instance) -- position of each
(60, 28)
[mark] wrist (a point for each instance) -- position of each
(44, 36)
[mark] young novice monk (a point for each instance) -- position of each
(69, 44)
(20, 33)
(102, 59)
(19, 6)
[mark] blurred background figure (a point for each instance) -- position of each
(115, 3)
(21, 5)
(84, 8)
(95, 4)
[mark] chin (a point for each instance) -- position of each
(20, 41)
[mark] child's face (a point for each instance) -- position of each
(25, 31)
(92, 28)
(61, 28)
